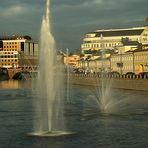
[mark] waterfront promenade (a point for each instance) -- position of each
(135, 82)
(121, 81)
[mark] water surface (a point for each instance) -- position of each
(127, 126)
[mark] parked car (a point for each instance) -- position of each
(77, 70)
(114, 73)
(143, 74)
(130, 74)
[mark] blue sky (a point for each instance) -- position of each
(71, 19)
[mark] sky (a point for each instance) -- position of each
(70, 19)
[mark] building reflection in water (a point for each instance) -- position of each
(14, 84)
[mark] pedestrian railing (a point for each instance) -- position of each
(109, 76)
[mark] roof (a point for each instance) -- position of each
(98, 52)
(106, 33)
(141, 50)
(130, 43)
(15, 37)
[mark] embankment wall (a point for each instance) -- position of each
(121, 83)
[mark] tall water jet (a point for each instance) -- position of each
(68, 75)
(49, 103)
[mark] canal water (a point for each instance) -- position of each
(126, 127)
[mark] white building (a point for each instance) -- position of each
(122, 44)
(112, 38)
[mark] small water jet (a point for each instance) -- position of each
(49, 104)
(102, 92)
(103, 95)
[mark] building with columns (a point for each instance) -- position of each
(113, 38)
(132, 61)
(125, 50)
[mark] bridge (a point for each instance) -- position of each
(14, 71)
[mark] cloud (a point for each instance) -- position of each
(19, 8)
(13, 11)
(21, 17)
(71, 18)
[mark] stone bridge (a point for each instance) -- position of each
(13, 72)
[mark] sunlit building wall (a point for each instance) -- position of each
(71, 60)
(136, 61)
(112, 38)
(14, 52)
(10, 51)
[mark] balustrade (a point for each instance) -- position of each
(110, 76)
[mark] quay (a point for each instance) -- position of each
(119, 82)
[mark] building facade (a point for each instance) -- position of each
(71, 60)
(126, 50)
(135, 61)
(14, 50)
(112, 38)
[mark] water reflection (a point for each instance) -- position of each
(126, 102)
(14, 84)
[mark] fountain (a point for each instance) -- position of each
(102, 92)
(107, 101)
(49, 104)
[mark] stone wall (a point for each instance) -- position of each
(121, 83)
